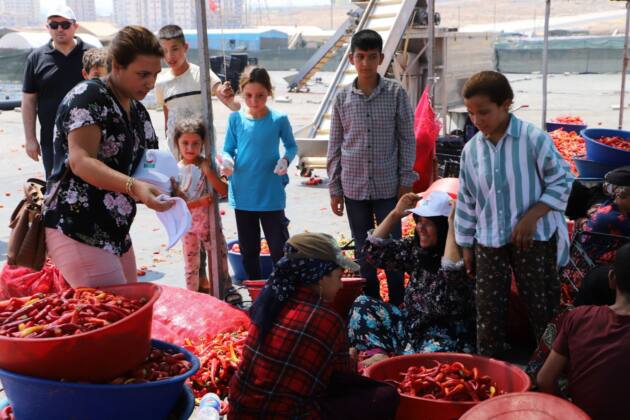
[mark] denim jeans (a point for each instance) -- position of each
(362, 214)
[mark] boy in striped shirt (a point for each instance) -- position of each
(514, 188)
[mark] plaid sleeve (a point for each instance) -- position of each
(333, 165)
(406, 139)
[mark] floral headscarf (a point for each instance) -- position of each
(289, 273)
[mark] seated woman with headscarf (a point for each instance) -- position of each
(296, 361)
(610, 218)
(439, 304)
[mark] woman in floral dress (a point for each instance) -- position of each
(438, 312)
(101, 132)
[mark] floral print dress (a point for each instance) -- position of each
(83, 212)
(438, 312)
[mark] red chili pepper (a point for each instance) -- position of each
(448, 381)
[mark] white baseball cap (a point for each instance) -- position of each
(157, 167)
(437, 203)
(63, 11)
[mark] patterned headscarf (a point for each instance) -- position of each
(289, 273)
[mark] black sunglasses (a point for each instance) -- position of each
(64, 25)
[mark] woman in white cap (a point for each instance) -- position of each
(438, 312)
(296, 361)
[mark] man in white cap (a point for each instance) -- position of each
(51, 71)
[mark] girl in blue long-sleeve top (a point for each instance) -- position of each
(256, 171)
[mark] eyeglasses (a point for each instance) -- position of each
(64, 25)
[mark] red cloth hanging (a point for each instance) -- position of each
(426, 128)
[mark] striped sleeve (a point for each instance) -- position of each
(333, 164)
(556, 177)
(465, 215)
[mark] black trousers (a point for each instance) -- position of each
(275, 227)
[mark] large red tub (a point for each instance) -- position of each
(93, 356)
(509, 378)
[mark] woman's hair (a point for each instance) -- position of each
(255, 75)
(441, 227)
(130, 42)
(190, 126)
(492, 84)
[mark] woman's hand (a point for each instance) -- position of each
(374, 359)
(469, 261)
(147, 194)
(175, 191)
(406, 202)
(523, 235)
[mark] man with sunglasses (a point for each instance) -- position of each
(51, 71)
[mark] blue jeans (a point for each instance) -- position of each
(361, 215)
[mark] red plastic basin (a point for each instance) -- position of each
(509, 378)
(352, 288)
(525, 406)
(94, 356)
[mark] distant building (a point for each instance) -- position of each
(246, 39)
(154, 14)
(19, 13)
(84, 9)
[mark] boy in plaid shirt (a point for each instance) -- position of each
(371, 152)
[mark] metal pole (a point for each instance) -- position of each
(204, 66)
(332, 12)
(430, 45)
(625, 67)
(545, 59)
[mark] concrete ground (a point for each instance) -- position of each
(591, 96)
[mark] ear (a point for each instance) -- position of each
(506, 105)
(351, 58)
(115, 66)
(186, 46)
(380, 61)
(84, 74)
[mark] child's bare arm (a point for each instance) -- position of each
(218, 184)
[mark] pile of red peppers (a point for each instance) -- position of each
(159, 365)
(616, 142)
(70, 312)
(219, 357)
(447, 381)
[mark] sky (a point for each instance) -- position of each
(104, 7)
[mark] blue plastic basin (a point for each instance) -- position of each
(236, 261)
(35, 399)
(599, 152)
(591, 169)
(570, 128)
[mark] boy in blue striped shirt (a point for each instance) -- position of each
(514, 188)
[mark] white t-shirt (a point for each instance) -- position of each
(182, 96)
(192, 181)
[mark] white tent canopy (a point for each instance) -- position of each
(30, 40)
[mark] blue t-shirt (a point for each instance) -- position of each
(254, 144)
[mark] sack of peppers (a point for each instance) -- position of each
(447, 381)
(219, 357)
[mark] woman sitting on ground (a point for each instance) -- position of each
(296, 361)
(438, 312)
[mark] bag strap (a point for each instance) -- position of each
(54, 194)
